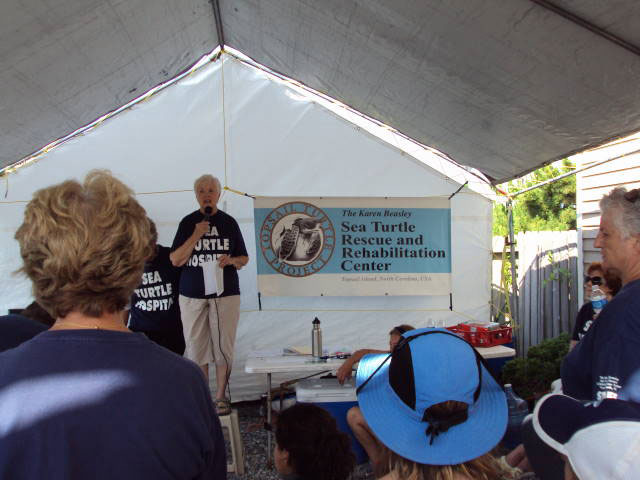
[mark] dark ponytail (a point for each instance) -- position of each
(317, 449)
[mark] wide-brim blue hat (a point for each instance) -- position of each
(427, 370)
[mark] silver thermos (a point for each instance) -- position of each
(316, 340)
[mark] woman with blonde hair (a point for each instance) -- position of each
(90, 398)
(435, 407)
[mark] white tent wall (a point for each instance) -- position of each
(279, 143)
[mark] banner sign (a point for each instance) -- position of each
(345, 246)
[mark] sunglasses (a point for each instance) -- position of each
(594, 280)
(632, 195)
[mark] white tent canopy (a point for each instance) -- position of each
(500, 86)
(279, 142)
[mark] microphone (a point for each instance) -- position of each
(207, 212)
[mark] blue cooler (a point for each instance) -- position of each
(327, 393)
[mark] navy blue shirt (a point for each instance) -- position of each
(154, 304)
(223, 238)
(15, 329)
(584, 319)
(602, 362)
(97, 404)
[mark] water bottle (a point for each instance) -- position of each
(316, 340)
(598, 299)
(518, 410)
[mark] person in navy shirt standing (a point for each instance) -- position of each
(206, 239)
(154, 303)
(601, 363)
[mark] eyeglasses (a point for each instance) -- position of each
(594, 280)
(632, 195)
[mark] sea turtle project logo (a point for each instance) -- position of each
(297, 239)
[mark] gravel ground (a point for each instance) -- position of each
(254, 437)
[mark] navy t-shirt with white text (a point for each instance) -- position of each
(224, 238)
(584, 320)
(154, 303)
(606, 357)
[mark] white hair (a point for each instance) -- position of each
(627, 217)
(206, 178)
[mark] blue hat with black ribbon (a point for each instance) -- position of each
(430, 366)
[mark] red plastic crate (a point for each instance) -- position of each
(481, 337)
(461, 333)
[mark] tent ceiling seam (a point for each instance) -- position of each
(588, 25)
(215, 4)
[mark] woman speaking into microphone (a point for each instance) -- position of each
(207, 240)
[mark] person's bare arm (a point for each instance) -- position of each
(181, 254)
(572, 344)
(346, 368)
(517, 458)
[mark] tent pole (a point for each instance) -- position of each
(573, 172)
(557, 9)
(514, 279)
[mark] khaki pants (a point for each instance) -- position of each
(209, 326)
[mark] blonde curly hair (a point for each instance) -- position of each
(485, 467)
(84, 245)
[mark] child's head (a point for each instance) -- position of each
(309, 444)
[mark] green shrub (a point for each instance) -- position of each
(532, 376)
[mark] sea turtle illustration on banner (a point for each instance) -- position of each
(301, 242)
(297, 239)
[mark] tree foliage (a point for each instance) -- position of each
(551, 207)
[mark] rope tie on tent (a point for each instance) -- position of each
(360, 310)
(159, 192)
(239, 192)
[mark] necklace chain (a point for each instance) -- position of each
(66, 324)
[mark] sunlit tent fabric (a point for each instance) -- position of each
(279, 142)
(499, 86)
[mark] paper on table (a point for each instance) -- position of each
(298, 350)
(213, 278)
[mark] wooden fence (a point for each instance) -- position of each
(547, 268)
